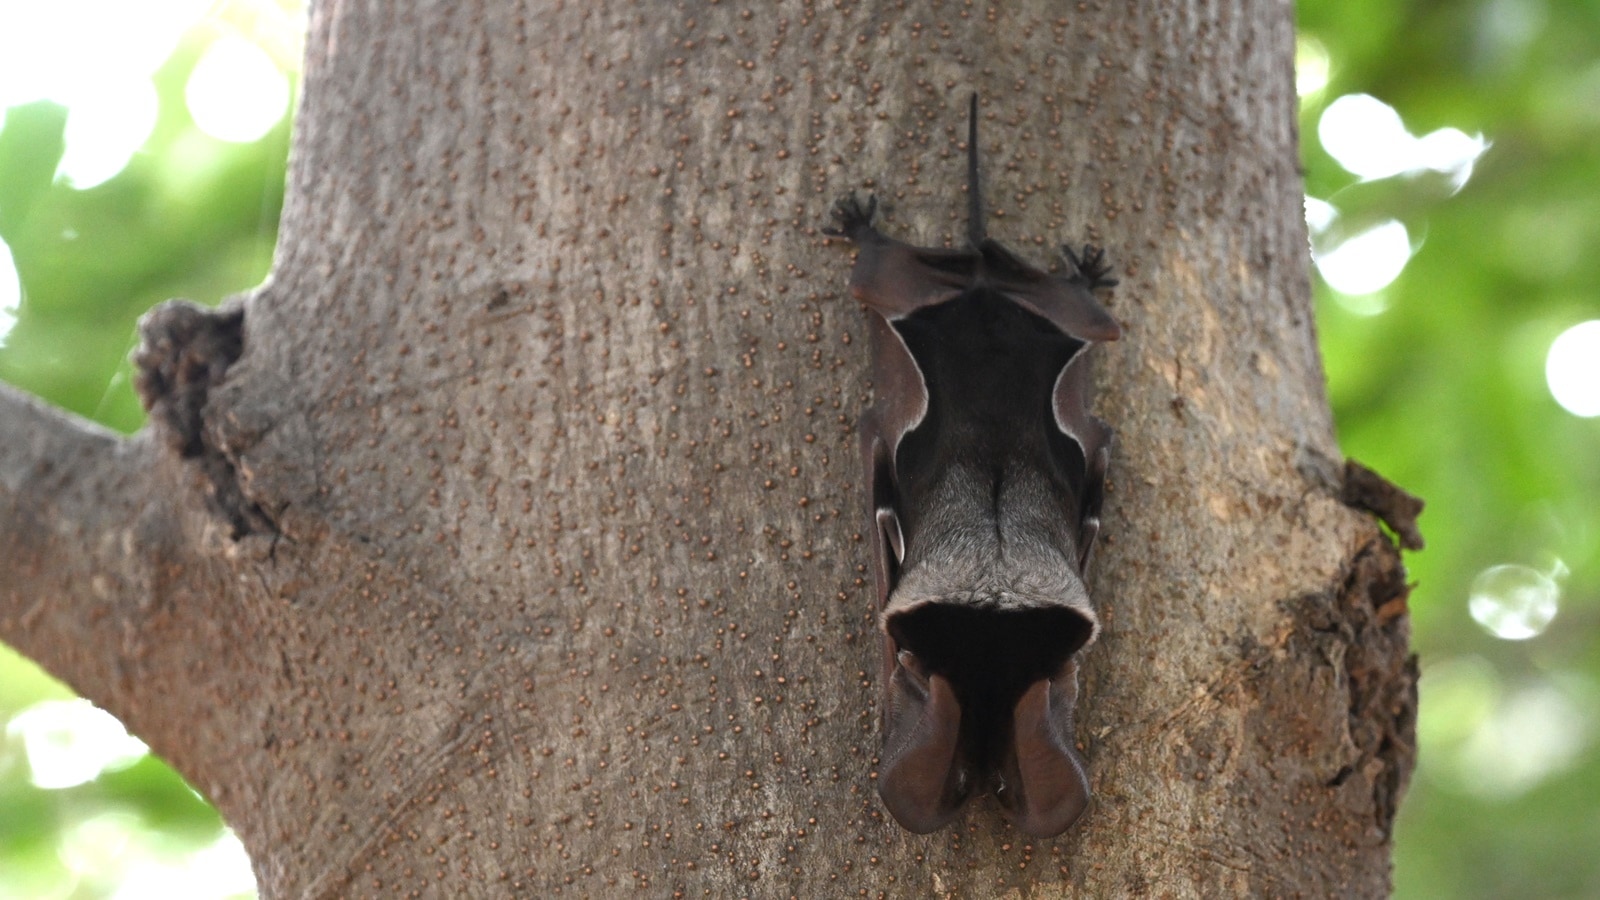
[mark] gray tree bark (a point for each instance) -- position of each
(508, 542)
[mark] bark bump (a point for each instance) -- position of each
(1365, 632)
(1367, 490)
(185, 350)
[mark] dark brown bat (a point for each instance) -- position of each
(985, 472)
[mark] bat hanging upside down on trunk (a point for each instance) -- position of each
(985, 473)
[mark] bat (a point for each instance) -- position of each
(985, 473)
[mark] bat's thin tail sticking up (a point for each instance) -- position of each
(975, 229)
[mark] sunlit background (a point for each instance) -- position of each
(1452, 155)
(141, 158)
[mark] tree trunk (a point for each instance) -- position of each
(509, 541)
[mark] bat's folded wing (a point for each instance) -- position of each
(1068, 303)
(895, 279)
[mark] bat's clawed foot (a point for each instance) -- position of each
(1089, 266)
(854, 218)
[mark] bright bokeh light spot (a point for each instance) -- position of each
(1534, 733)
(1572, 369)
(1366, 136)
(105, 129)
(1449, 150)
(236, 92)
(70, 742)
(99, 844)
(10, 292)
(1367, 262)
(1310, 65)
(127, 859)
(120, 851)
(1364, 305)
(95, 58)
(1455, 697)
(1514, 602)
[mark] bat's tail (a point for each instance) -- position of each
(975, 229)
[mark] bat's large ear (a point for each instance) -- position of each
(923, 780)
(1045, 787)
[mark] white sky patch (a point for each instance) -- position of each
(10, 292)
(1571, 368)
(105, 129)
(70, 742)
(236, 92)
(1367, 137)
(1320, 214)
(1367, 262)
(1514, 602)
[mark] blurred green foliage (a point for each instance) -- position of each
(1437, 381)
(1444, 392)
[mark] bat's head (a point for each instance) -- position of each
(980, 700)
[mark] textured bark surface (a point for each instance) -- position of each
(519, 552)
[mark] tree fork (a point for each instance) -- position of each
(547, 411)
